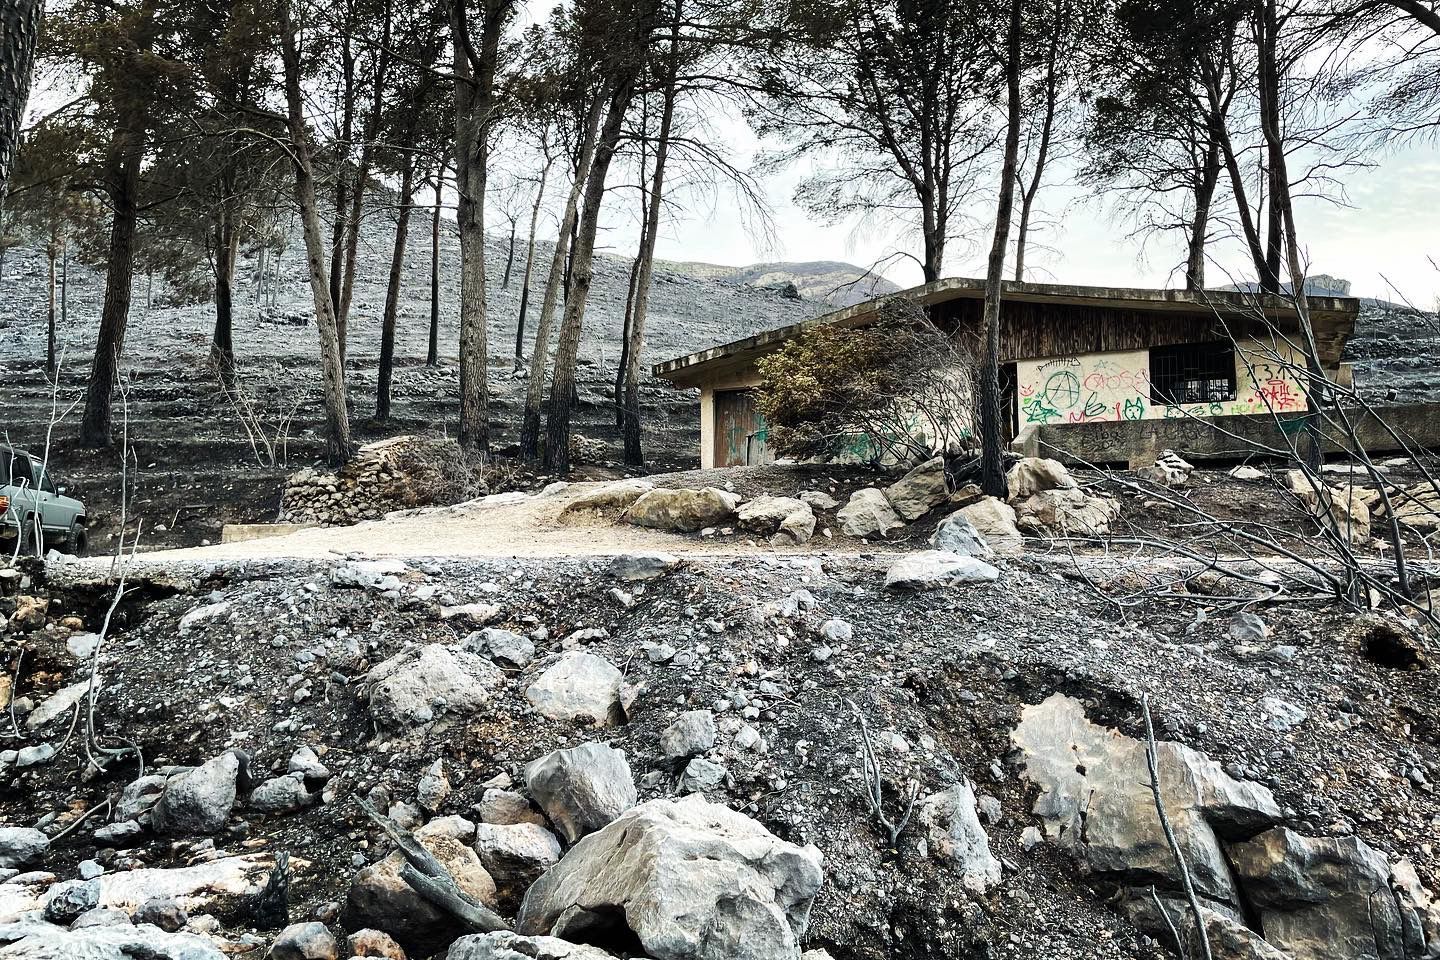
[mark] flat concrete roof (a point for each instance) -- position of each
(1329, 315)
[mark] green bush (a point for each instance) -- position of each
(894, 391)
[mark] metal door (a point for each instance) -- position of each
(741, 434)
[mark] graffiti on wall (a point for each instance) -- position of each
(1113, 387)
(1095, 387)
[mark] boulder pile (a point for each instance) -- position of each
(1313, 898)
(394, 474)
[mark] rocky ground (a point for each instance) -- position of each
(665, 756)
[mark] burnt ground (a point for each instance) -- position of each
(947, 672)
(195, 469)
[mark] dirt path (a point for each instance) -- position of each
(506, 525)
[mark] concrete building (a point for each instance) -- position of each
(1070, 355)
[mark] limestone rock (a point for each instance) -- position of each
(100, 917)
(797, 528)
(994, 520)
(616, 495)
(281, 795)
(506, 807)
(920, 491)
(645, 565)
(66, 901)
(163, 912)
(374, 943)
(688, 879)
(418, 686)
(505, 945)
(693, 732)
(1169, 470)
(701, 775)
(199, 801)
(937, 568)
(583, 788)
(1342, 510)
(433, 789)
(956, 534)
(304, 762)
(44, 941)
(685, 511)
(1247, 627)
(1323, 898)
(1034, 475)
(868, 514)
(505, 647)
(579, 686)
(380, 898)
(305, 941)
(1418, 507)
(59, 703)
(1419, 912)
(955, 836)
(516, 855)
(818, 500)
(22, 847)
(1095, 799)
(765, 514)
(1069, 511)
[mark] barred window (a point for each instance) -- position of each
(1192, 373)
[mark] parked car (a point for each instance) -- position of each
(30, 501)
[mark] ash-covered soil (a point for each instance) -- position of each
(940, 676)
(195, 467)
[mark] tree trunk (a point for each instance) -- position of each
(623, 364)
(474, 98)
(1200, 226)
(362, 173)
(222, 345)
(52, 254)
(559, 266)
(509, 257)
(432, 356)
(1047, 128)
(562, 389)
(992, 466)
(392, 292)
(337, 416)
(529, 265)
(127, 152)
(635, 342)
(337, 248)
(19, 29)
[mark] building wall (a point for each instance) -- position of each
(1112, 386)
(1115, 386)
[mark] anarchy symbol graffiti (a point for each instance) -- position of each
(1062, 390)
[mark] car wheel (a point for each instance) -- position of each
(32, 538)
(79, 544)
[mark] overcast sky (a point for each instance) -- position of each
(1383, 241)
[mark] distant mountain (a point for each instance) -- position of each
(1320, 285)
(825, 281)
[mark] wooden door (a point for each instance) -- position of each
(741, 435)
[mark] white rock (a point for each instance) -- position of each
(937, 568)
(579, 686)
